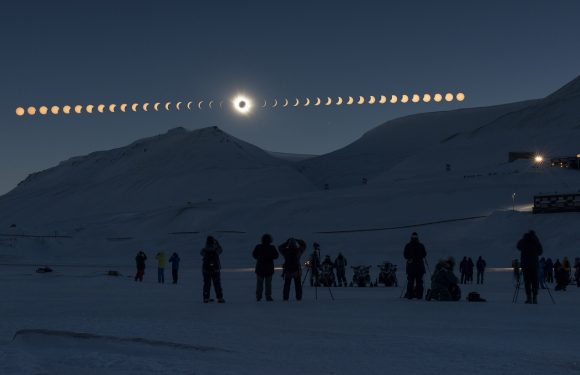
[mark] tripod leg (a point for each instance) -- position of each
(330, 291)
(550, 293)
(516, 292)
(305, 276)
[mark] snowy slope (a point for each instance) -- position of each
(155, 193)
(170, 169)
(391, 143)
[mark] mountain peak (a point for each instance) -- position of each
(571, 89)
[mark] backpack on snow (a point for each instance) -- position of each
(474, 297)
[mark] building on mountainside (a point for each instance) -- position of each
(513, 156)
(557, 202)
(570, 162)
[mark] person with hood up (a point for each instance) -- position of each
(444, 282)
(292, 249)
(265, 253)
(415, 255)
(531, 249)
(140, 262)
(161, 262)
(211, 269)
(174, 260)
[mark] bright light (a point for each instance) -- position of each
(538, 159)
(20, 111)
(242, 104)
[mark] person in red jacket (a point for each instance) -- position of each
(265, 253)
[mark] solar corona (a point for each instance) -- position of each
(242, 104)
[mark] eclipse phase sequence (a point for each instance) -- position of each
(242, 104)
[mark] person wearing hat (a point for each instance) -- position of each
(415, 255)
(265, 253)
(530, 248)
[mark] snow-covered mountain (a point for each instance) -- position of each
(467, 139)
(171, 169)
(206, 181)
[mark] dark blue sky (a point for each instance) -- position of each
(72, 52)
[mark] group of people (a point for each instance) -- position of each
(265, 253)
(141, 259)
(466, 267)
(444, 283)
(549, 272)
(322, 273)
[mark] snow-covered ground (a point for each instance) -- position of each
(92, 213)
(150, 328)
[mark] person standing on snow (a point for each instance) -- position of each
(265, 253)
(161, 262)
(340, 265)
(415, 255)
(481, 264)
(174, 260)
(140, 261)
(542, 272)
(549, 270)
(211, 269)
(469, 272)
(315, 266)
(292, 250)
(567, 267)
(530, 248)
(463, 270)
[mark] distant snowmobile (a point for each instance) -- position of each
(388, 274)
(362, 276)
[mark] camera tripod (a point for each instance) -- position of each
(517, 292)
(316, 286)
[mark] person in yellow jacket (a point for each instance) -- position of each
(161, 262)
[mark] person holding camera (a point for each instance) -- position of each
(211, 269)
(292, 250)
(265, 253)
(140, 261)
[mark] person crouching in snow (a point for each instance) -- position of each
(444, 282)
(161, 262)
(140, 262)
(211, 269)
